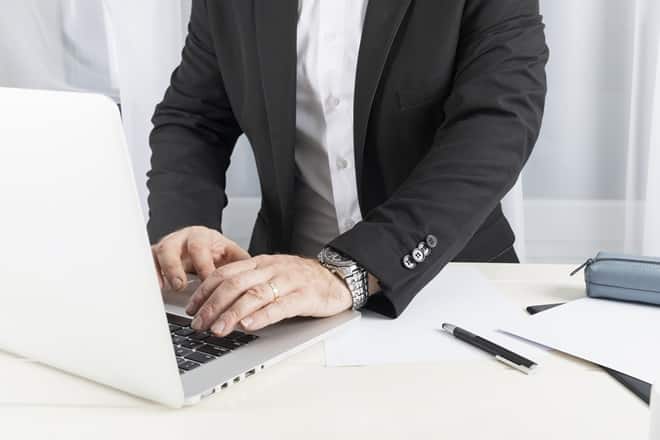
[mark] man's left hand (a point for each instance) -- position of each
(266, 289)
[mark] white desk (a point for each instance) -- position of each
(300, 398)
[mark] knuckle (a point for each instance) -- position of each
(270, 313)
(285, 278)
(161, 246)
(204, 312)
(259, 294)
(231, 315)
(208, 310)
(232, 284)
(196, 246)
(260, 260)
(279, 268)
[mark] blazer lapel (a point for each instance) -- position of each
(382, 21)
(276, 29)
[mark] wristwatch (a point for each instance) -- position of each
(354, 275)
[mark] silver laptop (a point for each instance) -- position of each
(78, 285)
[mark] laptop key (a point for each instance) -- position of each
(189, 343)
(185, 331)
(178, 320)
(178, 340)
(182, 352)
(188, 365)
(202, 358)
(234, 335)
(222, 342)
(215, 351)
(245, 338)
(200, 336)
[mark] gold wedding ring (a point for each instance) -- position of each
(276, 292)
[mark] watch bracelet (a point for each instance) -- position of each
(359, 288)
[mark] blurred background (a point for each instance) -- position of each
(593, 182)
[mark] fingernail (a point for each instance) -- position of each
(196, 323)
(218, 327)
(245, 322)
(190, 310)
(178, 283)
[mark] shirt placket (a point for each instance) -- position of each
(337, 88)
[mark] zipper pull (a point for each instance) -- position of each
(589, 262)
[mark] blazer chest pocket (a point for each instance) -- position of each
(423, 94)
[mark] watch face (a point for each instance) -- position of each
(334, 258)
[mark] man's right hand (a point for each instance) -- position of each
(195, 249)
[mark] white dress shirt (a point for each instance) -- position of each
(326, 199)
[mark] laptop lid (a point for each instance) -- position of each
(79, 289)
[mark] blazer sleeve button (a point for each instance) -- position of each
(424, 248)
(408, 262)
(418, 255)
(431, 241)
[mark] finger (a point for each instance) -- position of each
(159, 272)
(226, 293)
(199, 251)
(169, 253)
(208, 286)
(227, 252)
(252, 300)
(294, 304)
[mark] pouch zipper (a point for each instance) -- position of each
(591, 261)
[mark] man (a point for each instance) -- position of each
(385, 135)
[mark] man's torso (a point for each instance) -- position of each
(405, 69)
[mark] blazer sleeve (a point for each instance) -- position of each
(193, 137)
(492, 120)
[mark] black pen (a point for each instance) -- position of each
(503, 355)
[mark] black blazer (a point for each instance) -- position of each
(448, 104)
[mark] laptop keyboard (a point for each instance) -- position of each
(193, 348)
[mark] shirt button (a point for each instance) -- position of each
(332, 102)
(342, 163)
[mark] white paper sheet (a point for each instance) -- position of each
(620, 336)
(458, 295)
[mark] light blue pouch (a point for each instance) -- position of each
(622, 277)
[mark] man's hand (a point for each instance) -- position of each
(264, 290)
(194, 249)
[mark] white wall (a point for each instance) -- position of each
(582, 145)
(575, 181)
